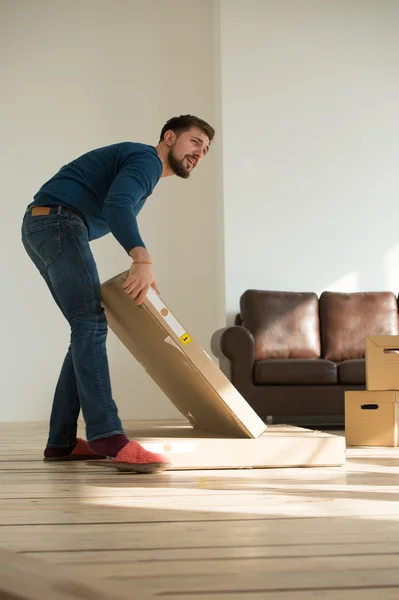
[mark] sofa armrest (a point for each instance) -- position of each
(237, 344)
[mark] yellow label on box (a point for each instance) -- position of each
(185, 338)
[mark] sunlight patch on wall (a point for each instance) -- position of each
(391, 269)
(347, 283)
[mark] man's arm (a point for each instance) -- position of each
(140, 255)
(132, 184)
(129, 187)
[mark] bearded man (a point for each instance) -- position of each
(98, 193)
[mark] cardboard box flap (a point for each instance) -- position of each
(372, 397)
(382, 362)
(369, 403)
(385, 341)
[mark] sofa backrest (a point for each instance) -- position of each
(284, 324)
(347, 319)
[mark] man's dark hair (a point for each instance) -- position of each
(185, 123)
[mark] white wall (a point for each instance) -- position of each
(75, 76)
(310, 120)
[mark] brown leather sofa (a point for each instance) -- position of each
(292, 355)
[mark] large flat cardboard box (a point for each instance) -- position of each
(178, 364)
(382, 362)
(280, 446)
(371, 418)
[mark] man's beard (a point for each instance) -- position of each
(177, 165)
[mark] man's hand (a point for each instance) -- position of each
(140, 277)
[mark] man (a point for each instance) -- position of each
(101, 192)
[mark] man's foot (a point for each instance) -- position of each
(80, 451)
(133, 457)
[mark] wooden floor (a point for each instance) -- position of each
(277, 534)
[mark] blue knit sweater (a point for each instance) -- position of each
(107, 187)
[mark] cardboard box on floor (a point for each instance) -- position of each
(178, 364)
(371, 418)
(382, 362)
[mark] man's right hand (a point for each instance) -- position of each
(140, 277)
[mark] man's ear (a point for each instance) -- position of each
(169, 137)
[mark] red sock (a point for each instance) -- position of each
(109, 446)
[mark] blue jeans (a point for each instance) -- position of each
(58, 244)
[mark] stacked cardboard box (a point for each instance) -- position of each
(371, 416)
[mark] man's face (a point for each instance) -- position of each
(187, 150)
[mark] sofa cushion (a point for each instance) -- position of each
(283, 324)
(352, 372)
(295, 372)
(347, 319)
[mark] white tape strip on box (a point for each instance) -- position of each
(165, 314)
(170, 447)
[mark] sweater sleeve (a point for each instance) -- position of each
(134, 182)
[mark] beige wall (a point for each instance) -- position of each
(75, 76)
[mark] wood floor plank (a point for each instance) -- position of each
(231, 566)
(272, 551)
(195, 507)
(164, 534)
(317, 594)
(185, 583)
